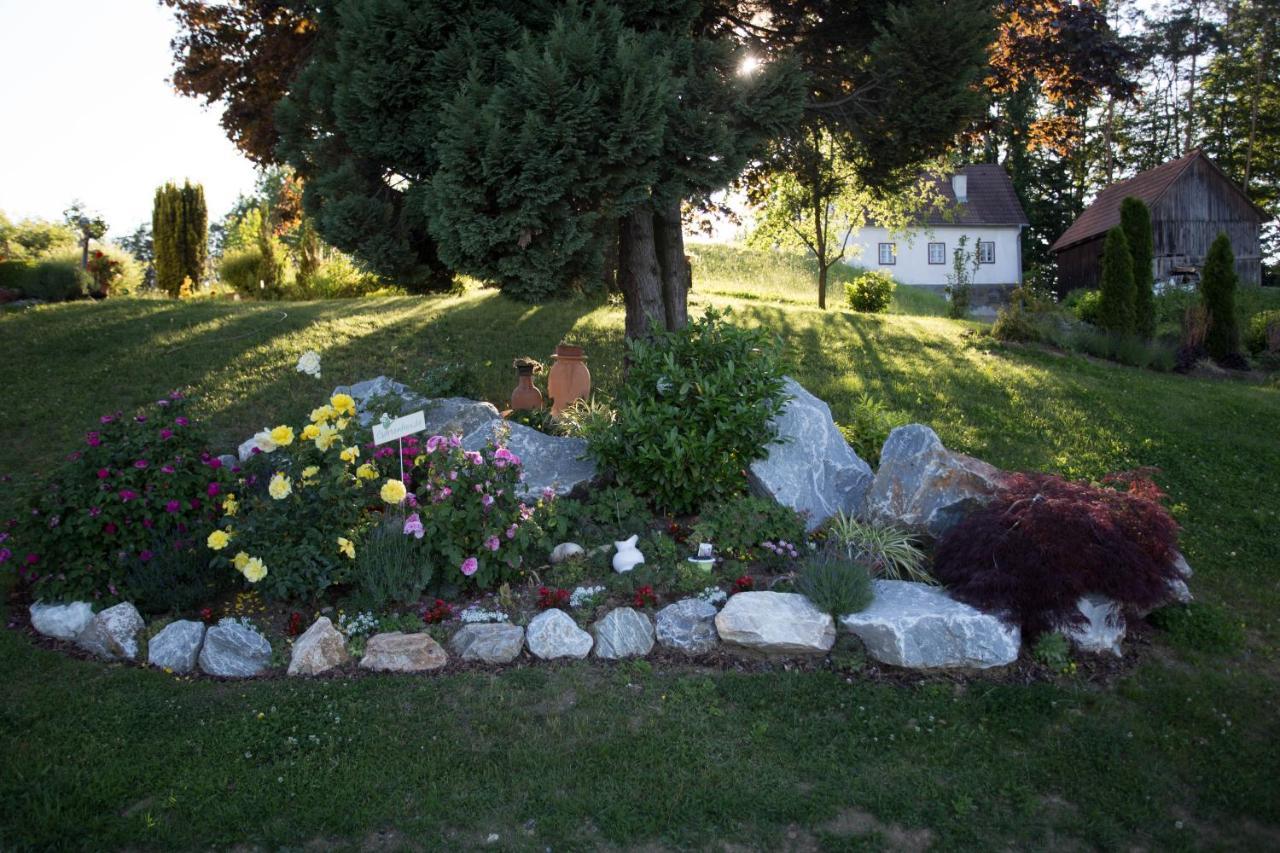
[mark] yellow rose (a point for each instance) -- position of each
(326, 437)
(393, 491)
(346, 546)
(218, 540)
(280, 487)
(282, 435)
(322, 414)
(230, 505)
(240, 561)
(341, 423)
(343, 404)
(310, 471)
(254, 570)
(351, 454)
(367, 472)
(310, 431)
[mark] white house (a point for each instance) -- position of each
(978, 203)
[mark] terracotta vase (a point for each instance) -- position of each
(569, 379)
(526, 395)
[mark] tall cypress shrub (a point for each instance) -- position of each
(1135, 219)
(1218, 295)
(180, 233)
(1115, 308)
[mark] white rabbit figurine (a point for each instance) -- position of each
(628, 556)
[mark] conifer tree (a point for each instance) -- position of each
(1115, 309)
(1135, 219)
(180, 233)
(1218, 294)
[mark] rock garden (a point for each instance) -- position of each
(712, 514)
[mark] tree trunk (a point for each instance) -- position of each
(639, 274)
(84, 252)
(609, 257)
(677, 277)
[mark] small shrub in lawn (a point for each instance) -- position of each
(1052, 650)
(1263, 333)
(887, 550)
(835, 584)
(58, 279)
(1200, 627)
(868, 426)
(137, 487)
(870, 292)
(1085, 305)
(739, 527)
(1043, 543)
(699, 400)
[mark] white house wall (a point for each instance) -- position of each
(913, 265)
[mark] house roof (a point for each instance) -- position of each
(1104, 214)
(991, 199)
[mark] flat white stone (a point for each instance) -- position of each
(232, 650)
(63, 621)
(775, 623)
(177, 646)
(495, 643)
(553, 634)
(920, 626)
(398, 652)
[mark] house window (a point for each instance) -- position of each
(986, 252)
(888, 254)
(937, 253)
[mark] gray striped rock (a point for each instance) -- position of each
(177, 646)
(548, 461)
(780, 623)
(553, 634)
(688, 626)
(623, 633)
(919, 626)
(233, 650)
(810, 467)
(496, 642)
(113, 633)
(63, 621)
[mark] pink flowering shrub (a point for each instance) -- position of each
(140, 488)
(474, 527)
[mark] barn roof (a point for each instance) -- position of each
(991, 199)
(1104, 214)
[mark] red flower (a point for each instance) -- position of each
(295, 623)
(549, 598)
(644, 596)
(439, 612)
(206, 614)
(744, 584)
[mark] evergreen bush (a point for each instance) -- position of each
(1135, 219)
(1116, 305)
(835, 585)
(180, 229)
(870, 292)
(1218, 294)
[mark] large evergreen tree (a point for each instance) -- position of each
(1115, 310)
(180, 235)
(1135, 220)
(1218, 293)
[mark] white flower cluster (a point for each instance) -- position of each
(585, 595)
(478, 615)
(357, 624)
(714, 595)
(309, 363)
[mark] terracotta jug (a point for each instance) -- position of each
(526, 395)
(569, 379)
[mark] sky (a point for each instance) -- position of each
(89, 114)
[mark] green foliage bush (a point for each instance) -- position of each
(1052, 650)
(1263, 333)
(58, 278)
(1201, 627)
(870, 292)
(1135, 219)
(14, 275)
(1218, 294)
(739, 526)
(338, 278)
(868, 426)
(835, 584)
(1086, 305)
(1116, 303)
(695, 411)
(391, 567)
(242, 269)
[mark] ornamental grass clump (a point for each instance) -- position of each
(140, 488)
(1043, 543)
(887, 550)
(835, 584)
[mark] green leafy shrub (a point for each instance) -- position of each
(835, 584)
(1052, 650)
(1263, 334)
(174, 580)
(870, 292)
(607, 515)
(339, 277)
(58, 279)
(740, 527)
(1135, 219)
(15, 275)
(696, 410)
(1116, 302)
(138, 487)
(887, 550)
(1218, 293)
(243, 270)
(1086, 305)
(587, 418)
(1200, 627)
(392, 566)
(868, 426)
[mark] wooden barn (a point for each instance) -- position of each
(1191, 202)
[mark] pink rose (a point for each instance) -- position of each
(172, 507)
(213, 490)
(470, 566)
(491, 543)
(103, 473)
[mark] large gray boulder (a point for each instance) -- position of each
(63, 621)
(780, 623)
(623, 633)
(919, 626)
(810, 467)
(688, 626)
(553, 634)
(547, 461)
(1103, 626)
(233, 650)
(457, 416)
(113, 633)
(177, 646)
(924, 487)
(320, 648)
(488, 643)
(398, 652)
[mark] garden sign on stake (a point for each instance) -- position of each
(387, 429)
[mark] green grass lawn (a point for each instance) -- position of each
(1179, 753)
